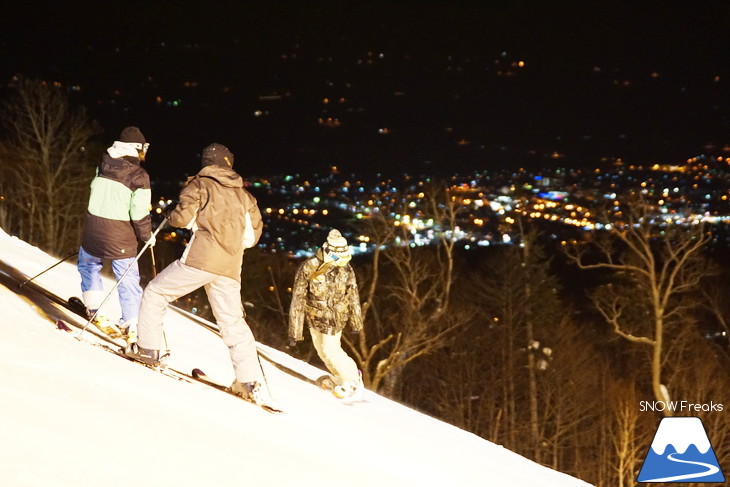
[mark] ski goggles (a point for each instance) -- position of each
(340, 260)
(142, 147)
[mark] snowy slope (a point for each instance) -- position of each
(72, 414)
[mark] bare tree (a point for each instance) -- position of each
(569, 404)
(6, 220)
(717, 307)
(627, 440)
(700, 377)
(48, 166)
(409, 313)
(466, 391)
(267, 293)
(654, 266)
(519, 296)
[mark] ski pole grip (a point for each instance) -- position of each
(154, 234)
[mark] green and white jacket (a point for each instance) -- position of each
(118, 215)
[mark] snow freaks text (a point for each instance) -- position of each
(679, 406)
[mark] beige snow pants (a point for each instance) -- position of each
(329, 349)
(224, 295)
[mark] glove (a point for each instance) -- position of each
(170, 209)
(151, 241)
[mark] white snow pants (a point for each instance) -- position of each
(224, 295)
(329, 349)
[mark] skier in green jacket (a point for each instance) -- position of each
(117, 219)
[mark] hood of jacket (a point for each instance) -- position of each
(223, 175)
(118, 167)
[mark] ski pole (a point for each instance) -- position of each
(154, 274)
(263, 374)
(43, 272)
(116, 284)
(154, 266)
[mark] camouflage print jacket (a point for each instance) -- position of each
(325, 296)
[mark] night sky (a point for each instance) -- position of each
(423, 87)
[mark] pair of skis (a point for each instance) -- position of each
(114, 344)
(196, 375)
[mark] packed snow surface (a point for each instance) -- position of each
(73, 414)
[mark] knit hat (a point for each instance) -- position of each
(336, 244)
(132, 134)
(217, 155)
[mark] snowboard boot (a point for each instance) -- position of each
(143, 355)
(249, 391)
(350, 390)
(326, 382)
(346, 390)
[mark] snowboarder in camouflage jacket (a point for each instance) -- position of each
(325, 297)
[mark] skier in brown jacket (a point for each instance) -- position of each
(225, 220)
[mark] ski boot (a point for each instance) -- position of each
(128, 330)
(130, 336)
(144, 355)
(107, 327)
(249, 391)
(77, 305)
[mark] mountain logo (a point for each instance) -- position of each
(681, 452)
